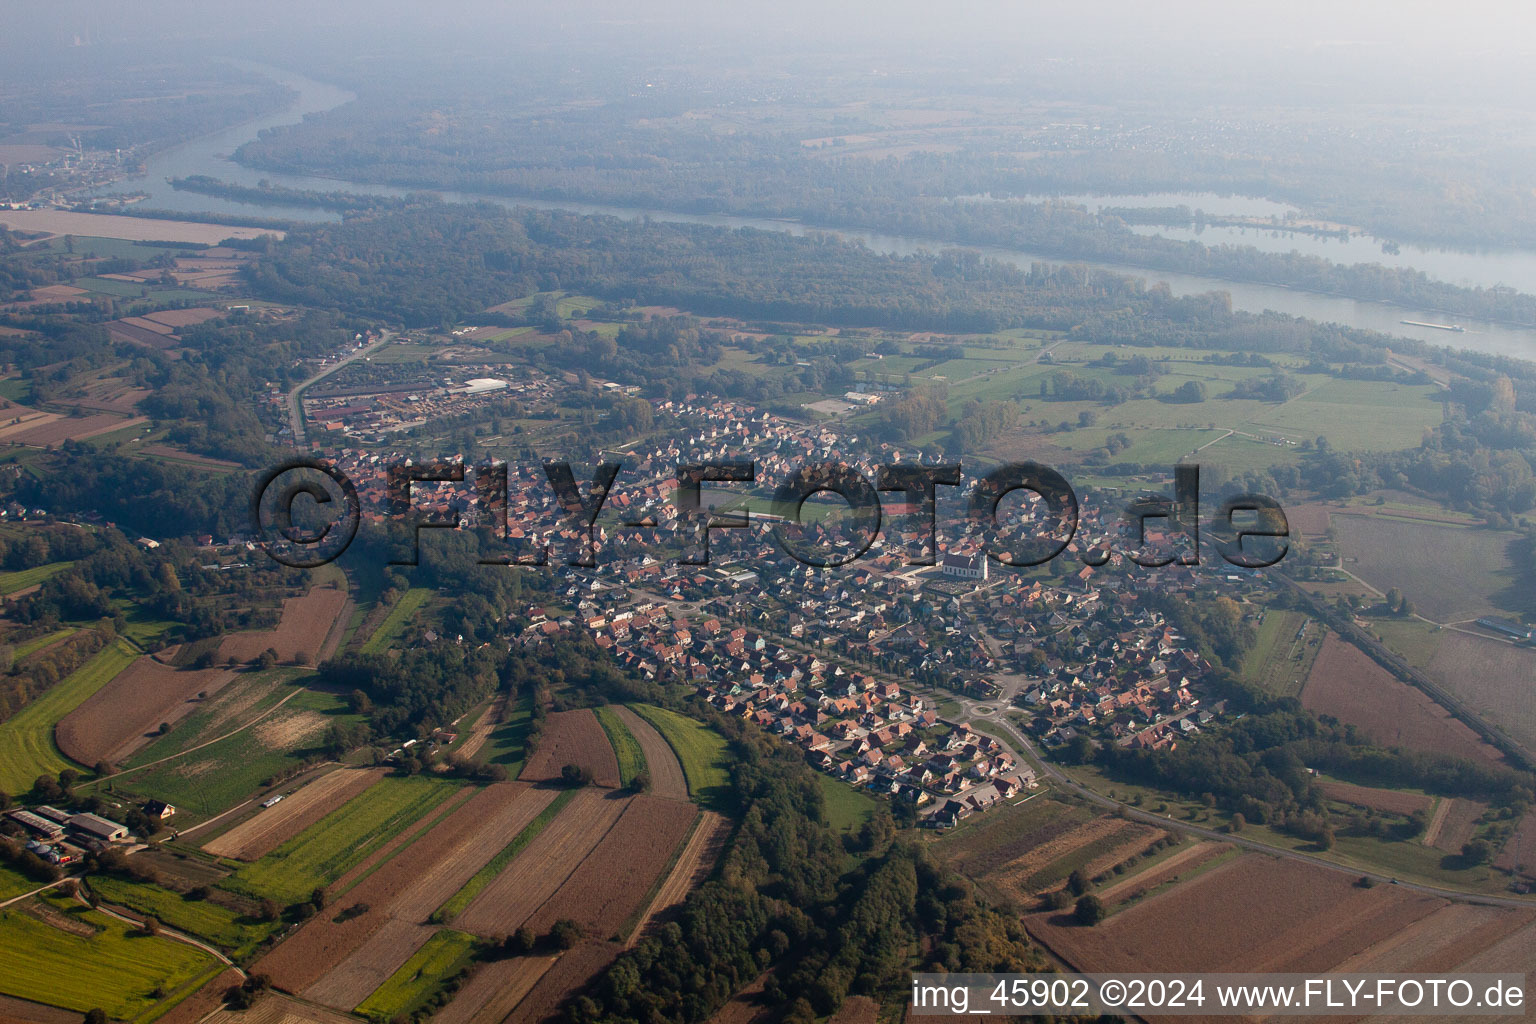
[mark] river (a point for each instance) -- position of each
(210, 155)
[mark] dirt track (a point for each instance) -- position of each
(666, 774)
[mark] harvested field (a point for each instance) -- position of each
(122, 716)
(112, 394)
(184, 317)
(1309, 520)
(544, 865)
(980, 847)
(1348, 685)
(1389, 800)
(666, 774)
(268, 829)
(341, 963)
(137, 229)
(302, 631)
(693, 866)
(1460, 821)
(573, 737)
(144, 324)
(609, 885)
(856, 1010)
(1493, 678)
(72, 428)
(1093, 847)
(275, 1008)
(120, 331)
(161, 451)
(494, 990)
(570, 974)
(1454, 574)
(1178, 865)
(1515, 953)
(1313, 918)
(36, 1013)
(1441, 941)
(204, 1001)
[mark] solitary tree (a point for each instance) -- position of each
(1089, 910)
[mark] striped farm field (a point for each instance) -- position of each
(534, 875)
(445, 955)
(270, 827)
(405, 892)
(486, 875)
(660, 763)
(325, 851)
(10, 582)
(27, 749)
(625, 746)
(611, 883)
(702, 751)
(38, 643)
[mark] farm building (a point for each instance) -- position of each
(1508, 627)
(159, 809)
(93, 826)
(41, 826)
(53, 814)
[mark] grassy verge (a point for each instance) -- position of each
(228, 929)
(701, 751)
(625, 747)
(482, 878)
(394, 623)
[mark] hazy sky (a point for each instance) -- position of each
(1417, 46)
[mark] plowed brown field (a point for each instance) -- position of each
(607, 888)
(269, 828)
(494, 990)
(1180, 863)
(569, 975)
(693, 866)
(121, 716)
(573, 737)
(1389, 800)
(1256, 913)
(544, 865)
(666, 774)
(302, 630)
(1348, 685)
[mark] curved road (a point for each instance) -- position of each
(296, 396)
